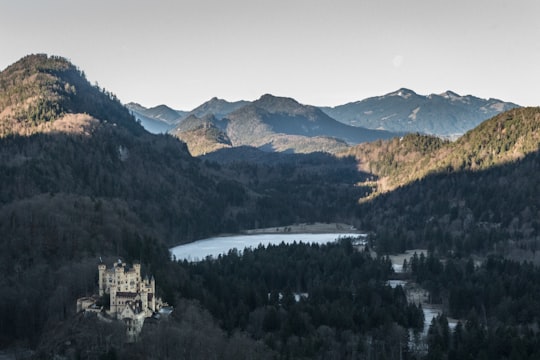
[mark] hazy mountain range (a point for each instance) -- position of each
(157, 120)
(270, 123)
(447, 114)
(282, 124)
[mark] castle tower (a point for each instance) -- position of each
(144, 300)
(153, 290)
(102, 280)
(119, 276)
(137, 268)
(113, 305)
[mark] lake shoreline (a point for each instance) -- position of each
(200, 249)
(304, 228)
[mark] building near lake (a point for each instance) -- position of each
(127, 289)
(132, 299)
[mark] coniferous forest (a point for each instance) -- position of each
(80, 180)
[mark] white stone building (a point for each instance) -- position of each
(126, 288)
(132, 299)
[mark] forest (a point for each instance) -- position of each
(496, 301)
(324, 302)
(109, 189)
(321, 301)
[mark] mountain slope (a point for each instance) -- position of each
(217, 107)
(161, 119)
(487, 211)
(447, 114)
(287, 116)
(506, 137)
(157, 120)
(201, 135)
(68, 197)
(269, 119)
(273, 124)
(477, 195)
(38, 90)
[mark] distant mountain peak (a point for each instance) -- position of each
(267, 96)
(448, 94)
(215, 100)
(277, 103)
(218, 107)
(403, 92)
(272, 98)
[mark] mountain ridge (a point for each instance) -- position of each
(282, 124)
(506, 137)
(158, 119)
(447, 114)
(220, 108)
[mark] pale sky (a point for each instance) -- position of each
(184, 52)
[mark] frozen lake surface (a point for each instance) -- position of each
(200, 249)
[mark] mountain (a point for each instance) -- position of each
(218, 107)
(63, 138)
(505, 138)
(161, 119)
(473, 196)
(157, 120)
(282, 124)
(447, 114)
(81, 142)
(201, 135)
(39, 90)
(270, 114)
(164, 113)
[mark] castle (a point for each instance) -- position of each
(132, 299)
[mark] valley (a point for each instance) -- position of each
(81, 178)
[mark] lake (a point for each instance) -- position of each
(214, 246)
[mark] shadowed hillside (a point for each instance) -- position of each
(479, 193)
(80, 179)
(506, 137)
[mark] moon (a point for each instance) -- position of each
(398, 61)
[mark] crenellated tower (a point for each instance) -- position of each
(102, 268)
